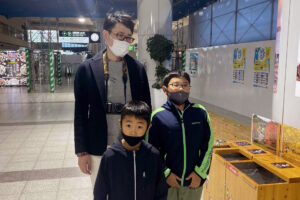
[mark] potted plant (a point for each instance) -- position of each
(159, 48)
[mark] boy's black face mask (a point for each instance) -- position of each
(179, 97)
(132, 141)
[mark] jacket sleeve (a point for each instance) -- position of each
(101, 189)
(81, 110)
(161, 185)
(153, 137)
(146, 90)
(202, 168)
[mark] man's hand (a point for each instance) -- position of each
(84, 163)
(196, 180)
(172, 180)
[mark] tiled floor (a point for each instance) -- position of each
(38, 162)
(37, 158)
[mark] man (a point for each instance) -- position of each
(103, 84)
(182, 133)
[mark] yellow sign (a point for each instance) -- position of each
(262, 59)
(239, 58)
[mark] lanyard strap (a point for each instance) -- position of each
(106, 75)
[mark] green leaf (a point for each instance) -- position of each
(160, 49)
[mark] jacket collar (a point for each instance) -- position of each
(98, 72)
(170, 106)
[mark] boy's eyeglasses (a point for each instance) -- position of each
(123, 37)
(178, 85)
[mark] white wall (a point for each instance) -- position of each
(213, 83)
(290, 33)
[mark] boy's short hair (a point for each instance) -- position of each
(176, 74)
(118, 17)
(138, 109)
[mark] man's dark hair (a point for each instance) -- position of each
(176, 74)
(118, 17)
(138, 109)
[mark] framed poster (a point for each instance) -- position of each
(193, 67)
(239, 65)
(13, 70)
(261, 68)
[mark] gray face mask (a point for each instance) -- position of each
(179, 97)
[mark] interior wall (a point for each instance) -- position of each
(213, 83)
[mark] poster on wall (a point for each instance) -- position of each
(297, 90)
(193, 67)
(278, 30)
(261, 68)
(239, 65)
(264, 133)
(13, 69)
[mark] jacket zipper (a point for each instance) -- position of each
(184, 145)
(134, 167)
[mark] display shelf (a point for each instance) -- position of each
(250, 181)
(257, 173)
(236, 173)
(291, 174)
(231, 154)
(239, 143)
(214, 187)
(222, 144)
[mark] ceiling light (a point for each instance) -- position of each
(81, 20)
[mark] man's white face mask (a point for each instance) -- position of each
(119, 48)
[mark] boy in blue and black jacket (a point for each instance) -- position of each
(182, 132)
(132, 169)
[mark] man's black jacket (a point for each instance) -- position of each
(90, 124)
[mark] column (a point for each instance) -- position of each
(286, 103)
(28, 67)
(51, 71)
(154, 17)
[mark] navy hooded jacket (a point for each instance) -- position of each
(184, 139)
(131, 175)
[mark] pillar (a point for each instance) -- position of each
(154, 17)
(286, 107)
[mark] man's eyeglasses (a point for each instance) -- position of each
(123, 37)
(178, 85)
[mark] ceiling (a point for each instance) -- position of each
(87, 8)
(65, 23)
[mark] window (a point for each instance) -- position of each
(233, 21)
